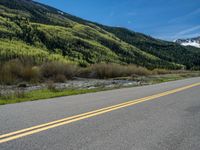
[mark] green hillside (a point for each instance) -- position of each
(42, 33)
(172, 52)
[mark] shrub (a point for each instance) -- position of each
(161, 71)
(107, 70)
(15, 71)
(85, 72)
(60, 78)
(113, 70)
(134, 70)
(6, 77)
(31, 74)
(11, 71)
(52, 70)
(15, 67)
(70, 71)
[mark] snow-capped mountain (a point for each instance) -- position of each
(189, 42)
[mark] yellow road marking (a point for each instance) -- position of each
(35, 129)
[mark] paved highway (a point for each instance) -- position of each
(157, 117)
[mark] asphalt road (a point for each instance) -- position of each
(169, 121)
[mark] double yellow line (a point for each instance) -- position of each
(39, 128)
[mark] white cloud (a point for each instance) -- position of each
(186, 32)
(185, 17)
(189, 30)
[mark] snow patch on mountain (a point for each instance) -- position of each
(190, 43)
(195, 42)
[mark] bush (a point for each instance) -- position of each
(53, 70)
(70, 71)
(31, 74)
(108, 70)
(6, 77)
(134, 70)
(15, 71)
(103, 71)
(11, 71)
(50, 70)
(86, 73)
(60, 78)
(161, 71)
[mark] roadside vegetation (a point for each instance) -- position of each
(51, 92)
(16, 71)
(23, 73)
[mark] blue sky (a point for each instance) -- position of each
(165, 19)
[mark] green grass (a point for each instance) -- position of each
(44, 94)
(155, 79)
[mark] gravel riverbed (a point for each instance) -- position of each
(78, 83)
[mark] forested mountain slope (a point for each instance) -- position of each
(170, 51)
(41, 33)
